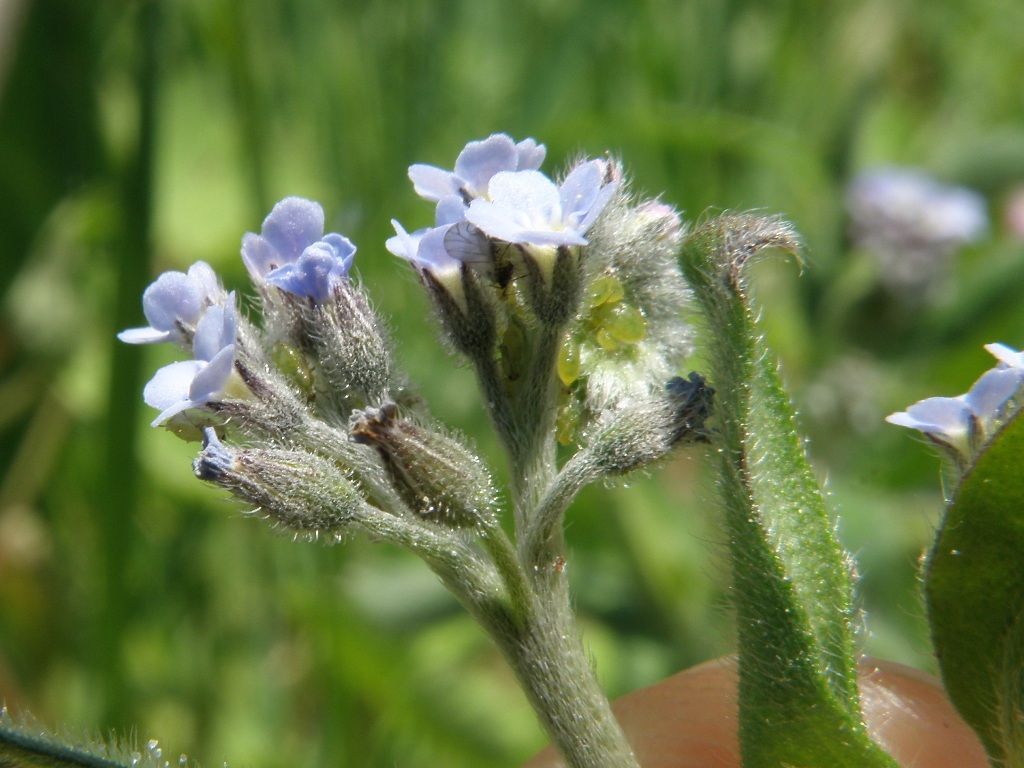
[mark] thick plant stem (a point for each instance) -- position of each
(544, 650)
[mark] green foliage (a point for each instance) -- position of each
(974, 585)
(791, 580)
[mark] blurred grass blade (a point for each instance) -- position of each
(974, 585)
(798, 689)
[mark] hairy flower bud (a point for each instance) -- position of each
(299, 491)
(438, 478)
(630, 333)
(343, 347)
(637, 435)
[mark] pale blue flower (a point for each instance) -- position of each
(317, 270)
(445, 247)
(476, 164)
(960, 422)
(293, 232)
(424, 248)
(906, 205)
(192, 383)
(526, 207)
(174, 303)
(912, 225)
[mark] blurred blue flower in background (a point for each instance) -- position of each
(913, 224)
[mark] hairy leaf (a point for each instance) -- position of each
(792, 590)
(974, 585)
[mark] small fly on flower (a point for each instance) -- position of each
(471, 246)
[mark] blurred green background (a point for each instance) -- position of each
(137, 137)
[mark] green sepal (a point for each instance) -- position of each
(792, 581)
(974, 588)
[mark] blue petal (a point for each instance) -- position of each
(433, 183)
(480, 160)
(529, 155)
(145, 336)
(584, 194)
(173, 297)
(211, 378)
(168, 390)
(1006, 355)
(216, 329)
(320, 267)
(526, 191)
(449, 210)
(293, 224)
(992, 390)
(948, 416)
(404, 245)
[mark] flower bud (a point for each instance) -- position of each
(639, 434)
(438, 478)
(630, 330)
(297, 490)
(343, 347)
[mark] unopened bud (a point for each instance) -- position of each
(639, 434)
(300, 491)
(438, 478)
(343, 346)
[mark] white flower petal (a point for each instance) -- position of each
(144, 336)
(210, 380)
(992, 390)
(171, 384)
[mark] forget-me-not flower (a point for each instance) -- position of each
(174, 303)
(907, 205)
(963, 422)
(476, 164)
(526, 207)
(443, 248)
(292, 253)
(913, 224)
(318, 269)
(191, 383)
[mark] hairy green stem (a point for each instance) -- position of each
(545, 652)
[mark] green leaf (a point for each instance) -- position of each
(792, 586)
(25, 744)
(974, 586)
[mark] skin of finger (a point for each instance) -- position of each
(689, 719)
